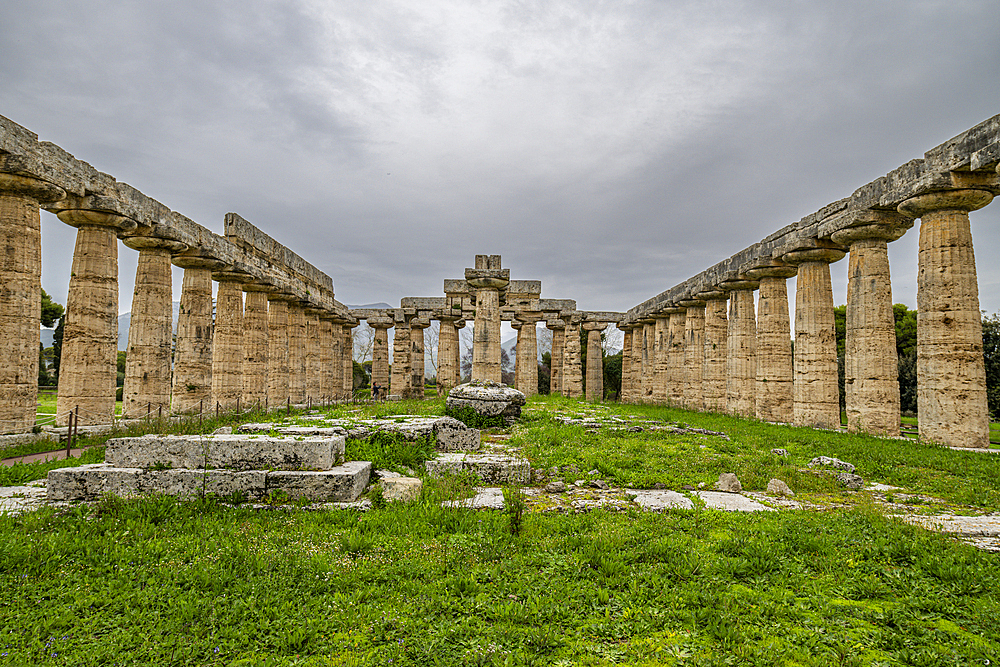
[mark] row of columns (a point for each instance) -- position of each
(743, 362)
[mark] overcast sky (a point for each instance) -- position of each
(610, 149)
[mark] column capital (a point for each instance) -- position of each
(555, 324)
(420, 323)
(381, 322)
(594, 326)
(691, 303)
(254, 286)
(739, 283)
(154, 243)
(670, 309)
(197, 262)
(40, 190)
(813, 250)
(712, 295)
(948, 200)
(873, 224)
(233, 277)
(92, 218)
(771, 269)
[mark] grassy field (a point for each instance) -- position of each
(164, 582)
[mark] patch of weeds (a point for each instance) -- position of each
(514, 506)
(277, 497)
(377, 497)
(390, 451)
(468, 416)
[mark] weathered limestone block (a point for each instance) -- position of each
(694, 353)
(741, 344)
(88, 372)
(277, 350)
(675, 358)
(951, 376)
(91, 482)
(233, 451)
(816, 395)
(490, 468)
(255, 345)
(871, 382)
(417, 361)
(20, 296)
(490, 399)
(380, 351)
(556, 358)
(527, 356)
(296, 352)
(148, 359)
(401, 489)
(192, 379)
(451, 435)
(487, 279)
(572, 375)
(88, 482)
(227, 341)
(713, 373)
(342, 484)
(774, 344)
(660, 358)
(595, 362)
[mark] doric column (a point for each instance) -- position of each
(88, 373)
(595, 361)
(147, 360)
(277, 349)
(815, 392)
(347, 354)
(647, 375)
(227, 340)
(694, 352)
(625, 395)
(192, 383)
(572, 378)
(328, 355)
(336, 354)
(313, 382)
(675, 357)
(558, 328)
(447, 376)
(417, 360)
(488, 279)
(741, 348)
(713, 371)
(459, 325)
(660, 358)
(296, 352)
(871, 380)
(380, 351)
(255, 344)
(527, 354)
(402, 376)
(774, 343)
(951, 376)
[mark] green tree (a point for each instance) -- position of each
(57, 339)
(991, 355)
(613, 376)
(51, 311)
(545, 374)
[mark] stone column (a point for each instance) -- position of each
(277, 349)
(595, 361)
(741, 349)
(448, 371)
(558, 329)
(871, 379)
(227, 340)
(625, 395)
(417, 361)
(328, 355)
(336, 354)
(347, 353)
(951, 376)
(694, 353)
(192, 384)
(713, 371)
(255, 345)
(572, 372)
(380, 351)
(659, 358)
(488, 279)
(459, 325)
(648, 374)
(774, 343)
(675, 357)
(815, 391)
(148, 358)
(88, 374)
(296, 353)
(527, 354)
(313, 385)
(402, 376)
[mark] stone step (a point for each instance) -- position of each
(450, 434)
(490, 468)
(343, 483)
(231, 451)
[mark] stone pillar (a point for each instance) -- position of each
(459, 325)
(417, 360)
(694, 353)
(227, 340)
(815, 391)
(488, 279)
(336, 354)
(675, 358)
(88, 374)
(296, 352)
(312, 385)
(402, 376)
(572, 375)
(741, 349)
(871, 379)
(527, 355)
(192, 384)
(380, 351)
(277, 350)
(347, 349)
(595, 361)
(774, 343)
(148, 358)
(255, 345)
(558, 328)
(625, 395)
(659, 358)
(448, 371)
(648, 374)
(951, 376)
(713, 371)
(328, 355)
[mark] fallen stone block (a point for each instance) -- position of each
(401, 489)
(451, 435)
(831, 462)
(731, 502)
(776, 487)
(490, 468)
(656, 500)
(729, 483)
(344, 483)
(489, 399)
(236, 452)
(93, 481)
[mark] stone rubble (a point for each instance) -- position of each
(830, 462)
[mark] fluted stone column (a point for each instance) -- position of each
(558, 328)
(815, 391)
(625, 395)
(20, 296)
(660, 358)
(88, 373)
(459, 325)
(347, 348)
(192, 383)
(741, 349)
(951, 376)
(296, 352)
(488, 279)
(774, 343)
(402, 376)
(380, 351)
(417, 357)
(277, 349)
(713, 372)
(572, 375)
(336, 353)
(527, 355)
(328, 351)
(255, 344)
(694, 353)
(148, 359)
(227, 340)
(448, 371)
(313, 388)
(648, 374)
(676, 376)
(871, 380)
(595, 361)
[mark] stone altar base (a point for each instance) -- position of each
(489, 399)
(233, 451)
